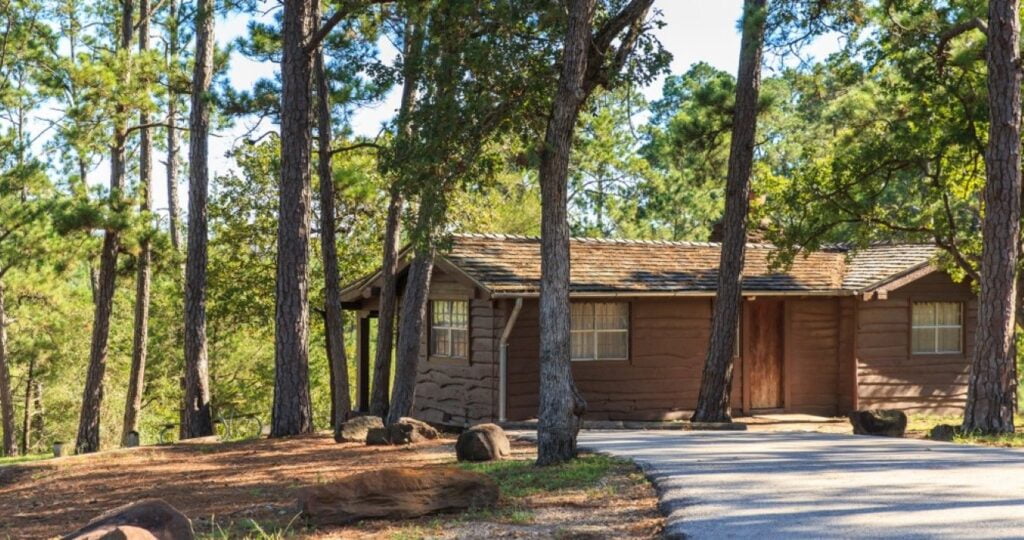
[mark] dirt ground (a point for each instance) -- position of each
(235, 490)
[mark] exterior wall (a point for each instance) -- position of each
(888, 375)
(812, 345)
(461, 392)
(661, 380)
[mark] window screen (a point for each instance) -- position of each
(600, 331)
(937, 328)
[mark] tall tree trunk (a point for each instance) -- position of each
(716, 382)
(26, 421)
(6, 398)
(561, 405)
(412, 47)
(173, 213)
(334, 324)
(992, 385)
(88, 439)
(133, 400)
(292, 413)
(414, 311)
(197, 419)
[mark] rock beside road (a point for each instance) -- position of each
(355, 429)
(879, 422)
(398, 493)
(143, 520)
(483, 442)
(944, 432)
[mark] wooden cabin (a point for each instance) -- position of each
(837, 330)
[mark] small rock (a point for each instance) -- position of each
(399, 493)
(944, 432)
(143, 520)
(880, 422)
(355, 429)
(377, 437)
(405, 431)
(417, 429)
(483, 442)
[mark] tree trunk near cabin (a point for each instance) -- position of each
(716, 381)
(88, 438)
(292, 413)
(334, 324)
(6, 398)
(992, 384)
(413, 34)
(561, 405)
(26, 421)
(136, 378)
(414, 312)
(173, 212)
(197, 418)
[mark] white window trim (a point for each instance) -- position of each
(595, 331)
(447, 329)
(935, 351)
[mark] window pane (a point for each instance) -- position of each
(611, 316)
(947, 313)
(924, 314)
(441, 317)
(582, 345)
(949, 340)
(581, 315)
(460, 344)
(923, 340)
(443, 341)
(612, 345)
(459, 317)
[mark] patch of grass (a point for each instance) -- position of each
(11, 460)
(246, 529)
(1012, 440)
(925, 422)
(519, 479)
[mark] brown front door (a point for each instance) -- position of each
(763, 353)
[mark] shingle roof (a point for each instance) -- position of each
(511, 265)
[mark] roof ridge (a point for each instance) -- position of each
(620, 241)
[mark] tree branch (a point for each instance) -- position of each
(953, 31)
(341, 14)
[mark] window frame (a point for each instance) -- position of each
(450, 328)
(962, 338)
(595, 332)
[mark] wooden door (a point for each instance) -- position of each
(763, 353)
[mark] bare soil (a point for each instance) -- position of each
(236, 490)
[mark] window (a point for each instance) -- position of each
(449, 328)
(600, 331)
(937, 328)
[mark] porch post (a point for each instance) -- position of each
(363, 364)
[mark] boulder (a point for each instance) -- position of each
(944, 432)
(143, 520)
(355, 429)
(398, 493)
(405, 431)
(881, 422)
(483, 442)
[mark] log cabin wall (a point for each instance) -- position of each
(812, 374)
(454, 391)
(668, 340)
(888, 375)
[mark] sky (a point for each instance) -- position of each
(695, 31)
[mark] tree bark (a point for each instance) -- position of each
(411, 49)
(716, 382)
(173, 213)
(992, 384)
(133, 400)
(292, 413)
(88, 438)
(561, 405)
(197, 419)
(334, 325)
(6, 398)
(414, 311)
(26, 421)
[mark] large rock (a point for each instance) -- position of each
(143, 520)
(399, 493)
(355, 429)
(483, 442)
(944, 432)
(405, 431)
(881, 422)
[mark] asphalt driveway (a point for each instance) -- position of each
(819, 485)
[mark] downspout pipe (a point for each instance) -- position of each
(503, 359)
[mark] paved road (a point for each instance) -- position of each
(818, 485)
